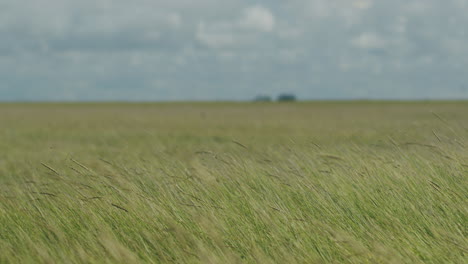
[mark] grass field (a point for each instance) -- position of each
(324, 182)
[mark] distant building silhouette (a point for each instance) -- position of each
(286, 97)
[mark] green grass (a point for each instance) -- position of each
(323, 182)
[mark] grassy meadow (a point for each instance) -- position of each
(312, 182)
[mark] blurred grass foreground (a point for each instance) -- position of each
(323, 182)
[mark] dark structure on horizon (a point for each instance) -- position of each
(286, 97)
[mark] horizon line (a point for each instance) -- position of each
(230, 101)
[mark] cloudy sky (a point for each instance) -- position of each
(159, 50)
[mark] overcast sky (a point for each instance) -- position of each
(232, 49)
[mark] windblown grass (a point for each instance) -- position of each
(249, 183)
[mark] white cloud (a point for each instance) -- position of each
(348, 11)
(363, 4)
(418, 7)
(258, 18)
(400, 25)
(174, 19)
(368, 40)
(240, 31)
(215, 37)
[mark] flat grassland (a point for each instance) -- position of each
(315, 182)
